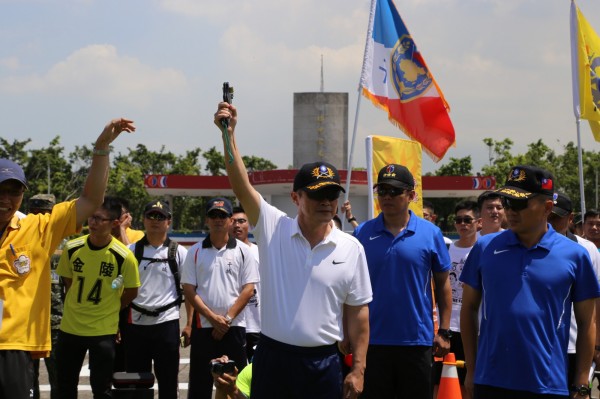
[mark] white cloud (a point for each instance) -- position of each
(11, 63)
(98, 72)
(194, 8)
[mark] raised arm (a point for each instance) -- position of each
(236, 170)
(92, 195)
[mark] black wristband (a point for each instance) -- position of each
(352, 219)
(597, 347)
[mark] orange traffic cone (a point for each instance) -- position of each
(449, 385)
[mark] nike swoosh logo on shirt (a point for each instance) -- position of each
(372, 238)
(337, 263)
(496, 252)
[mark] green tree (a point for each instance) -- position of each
(14, 151)
(501, 161)
(48, 171)
(254, 163)
(456, 167)
(215, 162)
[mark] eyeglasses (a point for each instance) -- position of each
(516, 205)
(217, 215)
(98, 219)
(239, 221)
(461, 220)
(11, 192)
(321, 195)
(156, 216)
(392, 192)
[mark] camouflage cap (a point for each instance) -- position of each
(42, 201)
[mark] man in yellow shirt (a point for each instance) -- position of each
(25, 249)
(101, 277)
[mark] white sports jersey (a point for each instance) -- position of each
(158, 285)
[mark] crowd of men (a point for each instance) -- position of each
(515, 295)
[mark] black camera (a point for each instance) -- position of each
(227, 93)
(223, 368)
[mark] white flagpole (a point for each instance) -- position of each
(367, 60)
(576, 105)
(351, 155)
(580, 159)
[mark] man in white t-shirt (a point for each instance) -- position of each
(311, 275)
(559, 218)
(219, 274)
(239, 229)
(467, 222)
(151, 333)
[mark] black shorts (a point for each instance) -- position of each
(16, 374)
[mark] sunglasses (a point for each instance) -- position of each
(217, 215)
(156, 216)
(514, 204)
(321, 195)
(392, 192)
(465, 220)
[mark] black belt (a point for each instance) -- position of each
(305, 350)
(158, 311)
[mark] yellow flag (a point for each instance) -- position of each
(595, 126)
(588, 55)
(387, 150)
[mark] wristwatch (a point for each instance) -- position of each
(445, 333)
(228, 319)
(582, 390)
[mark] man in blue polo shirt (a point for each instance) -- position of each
(528, 277)
(403, 252)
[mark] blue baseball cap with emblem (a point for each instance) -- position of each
(219, 204)
(11, 171)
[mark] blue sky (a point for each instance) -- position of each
(68, 66)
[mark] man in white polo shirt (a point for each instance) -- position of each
(219, 274)
(311, 275)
